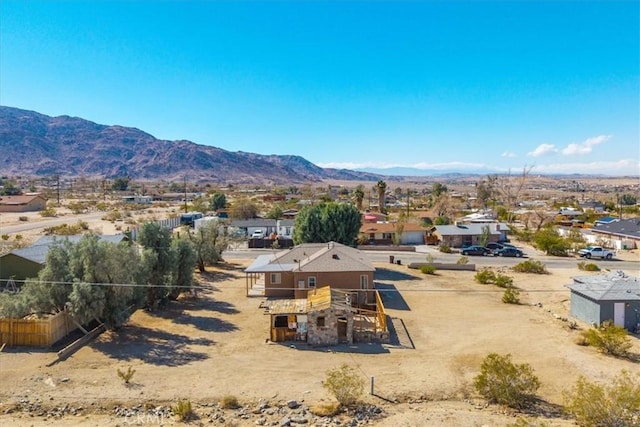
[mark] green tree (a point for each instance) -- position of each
(381, 188)
(275, 212)
(218, 201)
(438, 189)
(209, 242)
(503, 382)
(614, 404)
(120, 184)
(186, 260)
(325, 222)
(441, 220)
(160, 262)
(243, 209)
(358, 196)
(484, 237)
(628, 199)
(551, 242)
(10, 188)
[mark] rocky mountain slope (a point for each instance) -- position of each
(34, 144)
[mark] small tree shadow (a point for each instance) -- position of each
(150, 345)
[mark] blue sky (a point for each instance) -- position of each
(463, 85)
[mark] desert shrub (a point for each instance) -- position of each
(428, 269)
(444, 248)
(485, 276)
(325, 409)
(126, 375)
(23, 218)
(511, 296)
(48, 213)
(182, 409)
(503, 382)
(77, 207)
(5, 237)
(503, 281)
(588, 266)
(102, 206)
(344, 384)
(524, 422)
(229, 402)
(67, 229)
(609, 339)
(112, 216)
(614, 404)
(463, 260)
(531, 266)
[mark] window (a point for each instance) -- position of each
(320, 322)
(275, 278)
(364, 282)
(281, 322)
(312, 282)
(387, 235)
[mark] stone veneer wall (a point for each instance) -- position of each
(328, 334)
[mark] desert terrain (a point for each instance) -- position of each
(212, 345)
(206, 347)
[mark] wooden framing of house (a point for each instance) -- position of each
(327, 317)
(291, 273)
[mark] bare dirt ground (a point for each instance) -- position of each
(215, 345)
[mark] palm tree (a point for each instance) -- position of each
(382, 189)
(358, 194)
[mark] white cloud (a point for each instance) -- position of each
(543, 150)
(585, 147)
(509, 154)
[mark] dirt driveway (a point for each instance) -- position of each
(202, 349)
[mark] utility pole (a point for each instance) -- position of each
(58, 188)
(185, 194)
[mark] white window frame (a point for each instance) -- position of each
(275, 279)
(364, 281)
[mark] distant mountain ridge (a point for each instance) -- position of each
(39, 145)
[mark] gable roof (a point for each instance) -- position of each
(40, 248)
(313, 257)
(474, 229)
(624, 227)
(391, 227)
(20, 200)
(615, 286)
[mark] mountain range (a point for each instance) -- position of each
(35, 144)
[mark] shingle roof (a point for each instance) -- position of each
(390, 227)
(624, 227)
(20, 200)
(470, 229)
(40, 248)
(313, 257)
(615, 286)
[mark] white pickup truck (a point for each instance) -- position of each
(595, 252)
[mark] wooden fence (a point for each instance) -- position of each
(35, 332)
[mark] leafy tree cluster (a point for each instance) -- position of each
(326, 222)
(95, 279)
(120, 184)
(9, 188)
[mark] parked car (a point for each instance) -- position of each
(258, 234)
(595, 252)
(509, 251)
(495, 246)
(475, 250)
